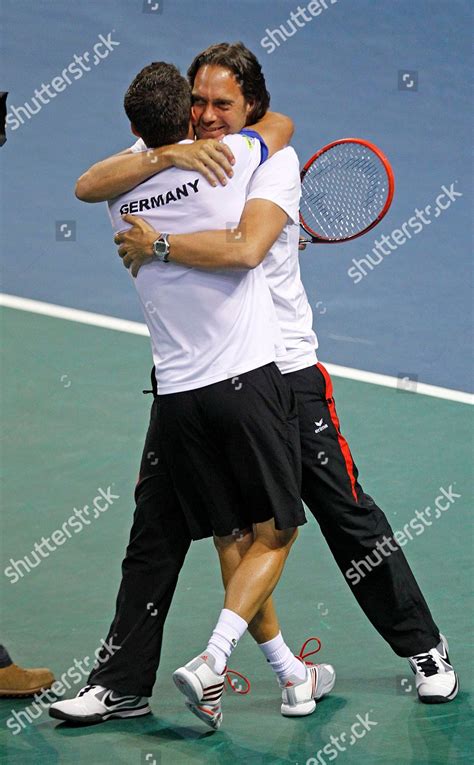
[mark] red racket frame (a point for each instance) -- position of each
(391, 188)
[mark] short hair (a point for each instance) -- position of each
(158, 104)
(246, 68)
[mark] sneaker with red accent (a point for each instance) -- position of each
(203, 687)
(212, 715)
(299, 696)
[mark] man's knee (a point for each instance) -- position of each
(241, 537)
(267, 534)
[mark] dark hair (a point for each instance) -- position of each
(248, 72)
(158, 104)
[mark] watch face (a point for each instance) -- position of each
(160, 247)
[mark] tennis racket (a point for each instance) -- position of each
(346, 189)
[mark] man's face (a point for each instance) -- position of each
(219, 107)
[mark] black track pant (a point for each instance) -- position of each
(5, 660)
(355, 528)
(350, 520)
(159, 541)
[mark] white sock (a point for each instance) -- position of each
(282, 660)
(227, 633)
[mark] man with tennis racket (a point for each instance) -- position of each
(351, 522)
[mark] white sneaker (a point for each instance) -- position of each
(435, 678)
(95, 704)
(299, 696)
(210, 714)
(203, 688)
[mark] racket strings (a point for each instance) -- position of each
(343, 191)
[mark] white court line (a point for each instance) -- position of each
(72, 314)
(136, 328)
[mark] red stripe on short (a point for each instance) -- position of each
(346, 452)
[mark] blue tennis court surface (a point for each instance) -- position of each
(338, 75)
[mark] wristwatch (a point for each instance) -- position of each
(161, 249)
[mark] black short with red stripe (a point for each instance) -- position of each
(353, 524)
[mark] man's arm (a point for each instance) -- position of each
(245, 246)
(213, 159)
(121, 172)
(242, 247)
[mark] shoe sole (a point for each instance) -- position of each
(23, 694)
(95, 719)
(301, 710)
(188, 684)
(441, 699)
(209, 719)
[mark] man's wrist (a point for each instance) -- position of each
(161, 248)
(168, 156)
(170, 251)
(158, 159)
(152, 236)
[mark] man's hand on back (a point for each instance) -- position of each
(136, 243)
(212, 158)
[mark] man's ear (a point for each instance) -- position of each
(249, 107)
(134, 130)
(190, 130)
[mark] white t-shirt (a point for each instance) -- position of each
(278, 180)
(205, 326)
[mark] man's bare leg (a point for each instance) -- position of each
(260, 568)
(264, 627)
(251, 573)
(249, 586)
(251, 565)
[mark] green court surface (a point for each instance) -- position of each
(74, 421)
